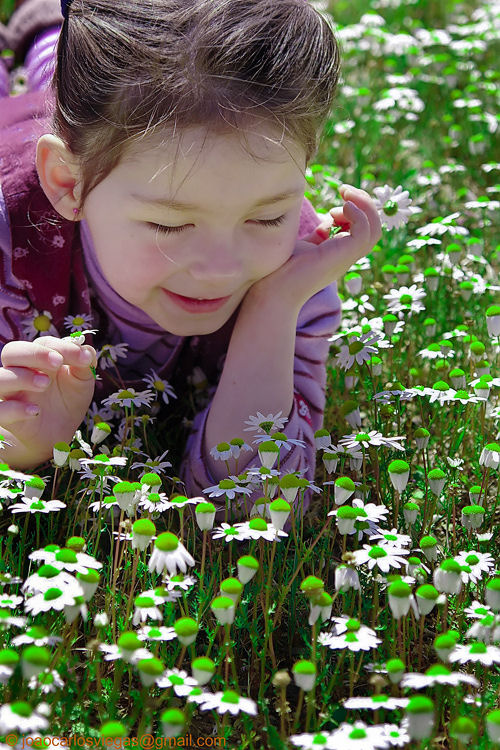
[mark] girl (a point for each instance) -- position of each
(155, 193)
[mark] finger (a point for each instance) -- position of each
(12, 412)
(348, 248)
(15, 379)
(43, 356)
(365, 202)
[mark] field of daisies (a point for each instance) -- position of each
(127, 612)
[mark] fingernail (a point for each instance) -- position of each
(40, 381)
(56, 359)
(85, 356)
(32, 410)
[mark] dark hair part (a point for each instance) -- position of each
(125, 69)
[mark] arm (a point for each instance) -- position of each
(257, 374)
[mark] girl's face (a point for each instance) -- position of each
(199, 217)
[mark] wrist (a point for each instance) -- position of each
(263, 297)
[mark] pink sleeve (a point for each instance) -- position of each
(318, 319)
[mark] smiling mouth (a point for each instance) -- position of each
(197, 305)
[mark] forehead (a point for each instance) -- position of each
(197, 157)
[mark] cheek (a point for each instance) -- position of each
(275, 252)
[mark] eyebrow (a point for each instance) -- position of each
(182, 206)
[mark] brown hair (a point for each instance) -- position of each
(126, 68)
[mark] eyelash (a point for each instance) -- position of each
(173, 230)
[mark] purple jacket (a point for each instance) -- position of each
(44, 271)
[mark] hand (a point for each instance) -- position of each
(62, 401)
(318, 260)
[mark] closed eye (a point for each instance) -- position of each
(173, 230)
(167, 230)
(271, 222)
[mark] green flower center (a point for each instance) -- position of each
(405, 299)
(41, 323)
(355, 347)
(390, 208)
(472, 559)
(125, 394)
(229, 696)
(357, 734)
(376, 552)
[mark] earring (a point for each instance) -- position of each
(76, 211)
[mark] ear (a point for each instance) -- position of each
(59, 175)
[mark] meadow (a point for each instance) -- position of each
(128, 616)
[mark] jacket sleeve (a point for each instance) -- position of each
(13, 301)
(317, 320)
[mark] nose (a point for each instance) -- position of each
(216, 263)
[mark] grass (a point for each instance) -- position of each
(419, 113)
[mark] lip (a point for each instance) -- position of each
(194, 305)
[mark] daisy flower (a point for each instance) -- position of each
(10, 601)
(179, 581)
(407, 394)
(345, 623)
(436, 675)
(7, 620)
(479, 564)
(392, 537)
(369, 518)
(156, 633)
(228, 533)
(229, 701)
(154, 502)
(280, 439)
(359, 349)
(353, 641)
(267, 424)
(358, 736)
(438, 393)
(361, 304)
(53, 599)
(180, 501)
(153, 464)
(47, 681)
(37, 506)
(81, 323)
(228, 488)
(397, 736)
(383, 557)
(36, 635)
(442, 226)
(129, 397)
(257, 528)
(39, 324)
(161, 386)
(375, 702)
(179, 680)
(405, 299)
(144, 608)
(169, 553)
(21, 717)
(371, 438)
(110, 353)
(311, 741)
(67, 559)
(113, 651)
(475, 652)
(46, 577)
(476, 611)
(393, 205)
